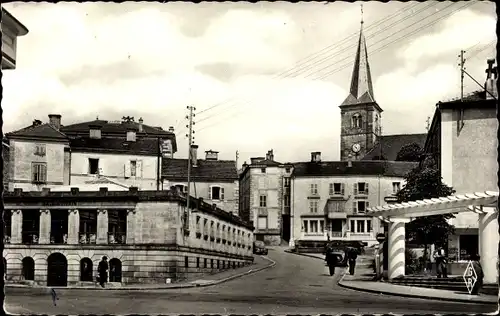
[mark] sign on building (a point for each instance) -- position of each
(166, 148)
(470, 277)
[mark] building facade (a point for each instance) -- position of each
(214, 180)
(50, 154)
(330, 198)
(265, 198)
(463, 133)
(11, 30)
(58, 238)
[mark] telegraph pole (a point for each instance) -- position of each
(190, 142)
(462, 69)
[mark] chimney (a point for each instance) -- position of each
(211, 155)
(270, 155)
(194, 155)
(55, 120)
(140, 125)
(316, 156)
(171, 129)
(95, 131)
(349, 161)
(491, 80)
(131, 135)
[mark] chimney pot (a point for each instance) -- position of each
(55, 120)
(171, 129)
(194, 155)
(140, 125)
(316, 156)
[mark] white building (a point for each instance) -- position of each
(330, 198)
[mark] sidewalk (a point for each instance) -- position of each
(260, 263)
(362, 280)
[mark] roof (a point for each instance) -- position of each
(38, 131)
(361, 90)
(437, 206)
(390, 145)
(267, 163)
(114, 128)
(341, 168)
(8, 18)
(475, 99)
(206, 170)
(142, 146)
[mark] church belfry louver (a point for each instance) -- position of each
(360, 113)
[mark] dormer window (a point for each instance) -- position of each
(356, 121)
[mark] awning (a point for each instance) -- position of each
(437, 206)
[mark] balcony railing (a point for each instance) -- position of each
(88, 238)
(58, 238)
(30, 237)
(117, 238)
(336, 234)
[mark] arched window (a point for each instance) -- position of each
(28, 268)
(86, 270)
(356, 120)
(115, 270)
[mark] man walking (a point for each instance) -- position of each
(331, 260)
(352, 255)
(102, 270)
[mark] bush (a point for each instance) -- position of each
(412, 264)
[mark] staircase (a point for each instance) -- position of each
(452, 283)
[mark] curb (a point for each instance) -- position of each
(425, 297)
(180, 286)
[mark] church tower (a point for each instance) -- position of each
(360, 113)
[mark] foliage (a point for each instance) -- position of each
(409, 152)
(422, 184)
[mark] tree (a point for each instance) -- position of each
(426, 183)
(409, 152)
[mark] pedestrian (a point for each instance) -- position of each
(102, 270)
(441, 263)
(352, 255)
(54, 296)
(331, 260)
(476, 264)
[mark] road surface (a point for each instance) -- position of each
(296, 285)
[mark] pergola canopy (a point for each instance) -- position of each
(472, 202)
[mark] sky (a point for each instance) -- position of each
(267, 75)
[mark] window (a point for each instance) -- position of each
(336, 189)
(360, 207)
(186, 262)
(305, 226)
(396, 186)
(286, 200)
(361, 188)
(263, 170)
(216, 193)
(321, 226)
(286, 182)
(262, 222)
(313, 206)
(314, 226)
(360, 226)
(353, 226)
(39, 172)
(93, 166)
(356, 120)
(314, 188)
(40, 150)
(197, 262)
(368, 226)
(263, 201)
(205, 263)
(133, 168)
(287, 170)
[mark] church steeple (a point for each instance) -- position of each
(361, 83)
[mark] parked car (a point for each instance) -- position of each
(259, 248)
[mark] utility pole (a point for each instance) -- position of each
(462, 69)
(190, 142)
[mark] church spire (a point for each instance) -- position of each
(361, 83)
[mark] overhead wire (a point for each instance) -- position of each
(380, 48)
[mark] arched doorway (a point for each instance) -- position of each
(57, 270)
(86, 270)
(28, 268)
(115, 270)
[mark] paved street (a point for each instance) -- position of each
(296, 284)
